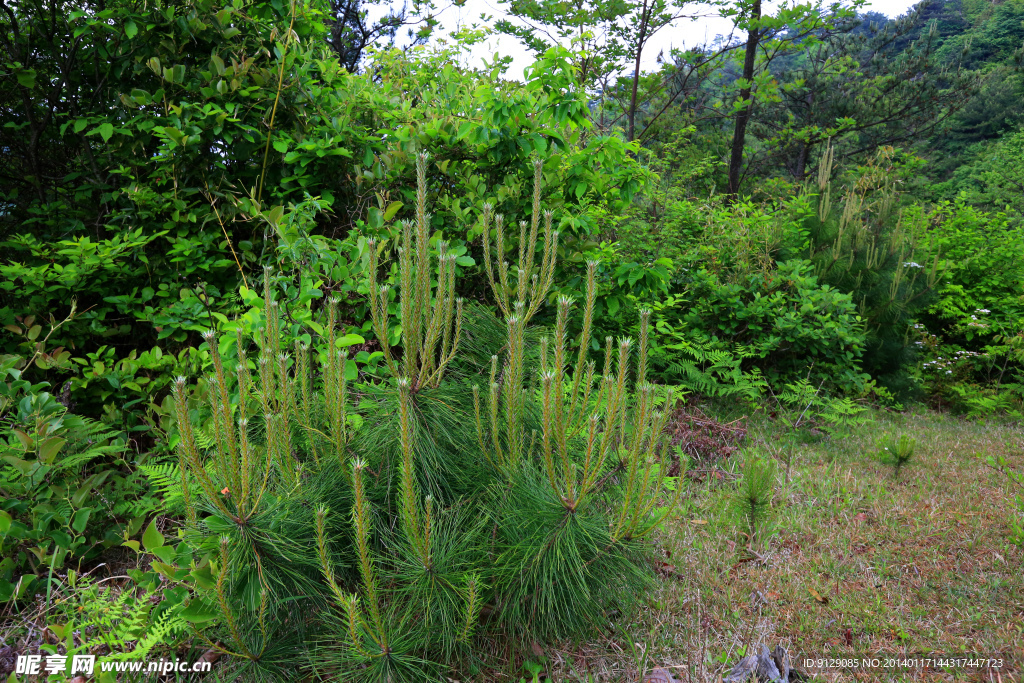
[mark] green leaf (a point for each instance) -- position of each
(63, 540)
(199, 611)
(130, 29)
(27, 78)
(81, 520)
(34, 332)
(165, 569)
(15, 591)
(79, 496)
(5, 522)
(281, 146)
(374, 217)
(134, 524)
(82, 493)
(23, 585)
(27, 441)
(349, 340)
(152, 538)
(392, 209)
(49, 449)
(106, 130)
(165, 553)
(22, 466)
(204, 578)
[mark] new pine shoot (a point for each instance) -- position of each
(895, 453)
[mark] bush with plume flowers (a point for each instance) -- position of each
(497, 483)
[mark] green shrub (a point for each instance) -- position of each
(782, 320)
(170, 179)
(983, 268)
(66, 490)
(981, 382)
(131, 621)
(375, 522)
(990, 176)
(970, 338)
(693, 361)
(802, 405)
(801, 280)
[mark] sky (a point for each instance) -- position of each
(683, 34)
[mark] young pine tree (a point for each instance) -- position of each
(518, 477)
(896, 453)
(752, 499)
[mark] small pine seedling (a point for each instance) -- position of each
(753, 497)
(895, 452)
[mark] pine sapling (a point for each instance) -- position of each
(536, 510)
(894, 452)
(753, 497)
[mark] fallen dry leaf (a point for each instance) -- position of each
(817, 596)
(658, 675)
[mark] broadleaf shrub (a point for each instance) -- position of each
(783, 318)
(171, 181)
(67, 491)
(970, 338)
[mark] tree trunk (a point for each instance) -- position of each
(739, 132)
(636, 70)
(801, 161)
(805, 146)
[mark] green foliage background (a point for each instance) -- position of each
(172, 169)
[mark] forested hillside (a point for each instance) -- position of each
(350, 361)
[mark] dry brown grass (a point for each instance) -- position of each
(858, 564)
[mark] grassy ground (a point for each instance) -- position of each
(854, 564)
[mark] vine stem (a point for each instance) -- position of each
(277, 98)
(209, 198)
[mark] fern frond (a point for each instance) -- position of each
(168, 623)
(166, 477)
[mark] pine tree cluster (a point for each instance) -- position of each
(498, 485)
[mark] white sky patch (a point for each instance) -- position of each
(683, 34)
